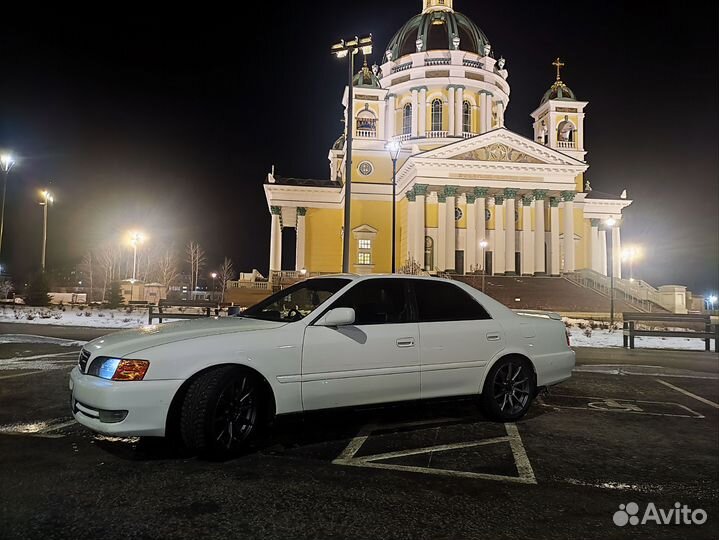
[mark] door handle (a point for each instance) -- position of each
(405, 342)
(493, 337)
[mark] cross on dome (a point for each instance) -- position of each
(434, 5)
(559, 64)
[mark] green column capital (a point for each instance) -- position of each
(471, 197)
(301, 211)
(498, 200)
(450, 191)
(595, 222)
(527, 200)
(539, 194)
(421, 189)
(411, 195)
(554, 202)
(481, 192)
(510, 193)
(568, 196)
(276, 210)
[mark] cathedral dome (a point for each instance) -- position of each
(438, 27)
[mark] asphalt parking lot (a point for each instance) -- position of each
(609, 437)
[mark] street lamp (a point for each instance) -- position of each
(712, 300)
(609, 224)
(214, 278)
(47, 200)
(6, 163)
(483, 244)
(630, 254)
(394, 148)
(136, 238)
(348, 48)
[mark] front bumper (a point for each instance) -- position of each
(146, 403)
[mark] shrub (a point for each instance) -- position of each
(37, 291)
(587, 332)
(115, 299)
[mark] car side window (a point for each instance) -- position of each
(440, 301)
(377, 301)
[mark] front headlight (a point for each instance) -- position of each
(117, 369)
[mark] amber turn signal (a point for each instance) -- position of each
(131, 370)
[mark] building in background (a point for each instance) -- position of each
(463, 177)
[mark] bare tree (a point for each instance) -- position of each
(86, 267)
(5, 287)
(167, 269)
(196, 258)
(226, 273)
(107, 260)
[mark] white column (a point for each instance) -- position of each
(451, 242)
(482, 112)
(480, 206)
(540, 263)
(498, 257)
(420, 233)
(441, 250)
(470, 250)
(300, 243)
(415, 112)
(604, 269)
(616, 251)
(510, 231)
(554, 236)
(527, 257)
(595, 262)
(276, 240)
(422, 112)
(391, 116)
(411, 230)
(569, 255)
(459, 100)
(451, 110)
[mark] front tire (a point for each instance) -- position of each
(221, 411)
(509, 389)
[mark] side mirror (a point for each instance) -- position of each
(342, 316)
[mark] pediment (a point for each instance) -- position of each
(498, 152)
(501, 146)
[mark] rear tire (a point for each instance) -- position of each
(221, 412)
(509, 389)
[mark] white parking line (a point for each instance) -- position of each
(686, 393)
(524, 468)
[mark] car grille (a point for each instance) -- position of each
(82, 361)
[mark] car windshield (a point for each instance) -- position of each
(296, 302)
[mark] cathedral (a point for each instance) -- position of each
(471, 195)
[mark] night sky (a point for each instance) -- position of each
(170, 121)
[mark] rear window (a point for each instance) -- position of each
(441, 301)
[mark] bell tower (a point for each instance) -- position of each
(559, 119)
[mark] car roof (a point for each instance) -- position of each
(357, 277)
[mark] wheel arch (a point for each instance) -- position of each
(173, 412)
(501, 356)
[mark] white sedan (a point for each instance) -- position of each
(335, 341)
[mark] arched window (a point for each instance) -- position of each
(437, 115)
(407, 119)
(366, 124)
(428, 253)
(467, 117)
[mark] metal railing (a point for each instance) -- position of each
(637, 293)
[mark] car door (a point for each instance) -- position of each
(458, 338)
(375, 360)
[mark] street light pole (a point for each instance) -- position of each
(349, 48)
(483, 244)
(394, 148)
(47, 199)
(214, 278)
(6, 163)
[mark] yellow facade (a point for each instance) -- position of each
(323, 251)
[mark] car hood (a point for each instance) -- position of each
(122, 344)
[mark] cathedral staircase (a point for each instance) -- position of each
(560, 294)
